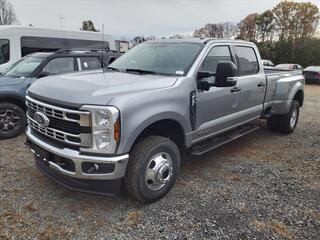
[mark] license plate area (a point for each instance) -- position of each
(41, 155)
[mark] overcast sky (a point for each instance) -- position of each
(129, 18)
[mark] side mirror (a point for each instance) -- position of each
(224, 71)
(204, 84)
(204, 74)
(43, 74)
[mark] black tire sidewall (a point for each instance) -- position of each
(175, 156)
(140, 157)
(284, 124)
(23, 120)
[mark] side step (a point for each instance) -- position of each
(212, 143)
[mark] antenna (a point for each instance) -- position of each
(102, 33)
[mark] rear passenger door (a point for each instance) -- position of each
(89, 63)
(251, 81)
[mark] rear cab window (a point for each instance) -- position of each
(4, 51)
(247, 60)
(89, 63)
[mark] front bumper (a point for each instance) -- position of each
(119, 162)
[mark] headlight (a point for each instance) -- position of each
(105, 123)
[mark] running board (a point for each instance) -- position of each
(212, 143)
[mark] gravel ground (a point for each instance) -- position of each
(262, 186)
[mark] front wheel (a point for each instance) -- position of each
(12, 120)
(152, 169)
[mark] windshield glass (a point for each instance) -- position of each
(4, 51)
(174, 58)
(24, 67)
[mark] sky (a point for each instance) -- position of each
(126, 19)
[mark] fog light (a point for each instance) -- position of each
(97, 168)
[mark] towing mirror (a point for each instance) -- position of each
(225, 71)
(202, 82)
(204, 74)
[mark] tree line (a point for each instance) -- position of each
(285, 33)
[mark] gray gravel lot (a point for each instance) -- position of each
(262, 186)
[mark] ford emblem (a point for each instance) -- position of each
(41, 119)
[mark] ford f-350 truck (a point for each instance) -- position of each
(130, 124)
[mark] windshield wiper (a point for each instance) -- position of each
(140, 71)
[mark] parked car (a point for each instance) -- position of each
(289, 66)
(312, 74)
(131, 125)
(267, 63)
(16, 80)
(18, 41)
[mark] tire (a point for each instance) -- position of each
(289, 121)
(272, 122)
(152, 169)
(13, 120)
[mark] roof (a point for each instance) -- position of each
(74, 53)
(201, 40)
(28, 28)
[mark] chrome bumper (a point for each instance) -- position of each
(120, 162)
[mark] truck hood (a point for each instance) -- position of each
(5, 81)
(95, 87)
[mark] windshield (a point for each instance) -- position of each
(159, 58)
(4, 51)
(24, 67)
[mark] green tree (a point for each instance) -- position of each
(88, 26)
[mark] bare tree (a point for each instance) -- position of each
(7, 13)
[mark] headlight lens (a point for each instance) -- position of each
(105, 129)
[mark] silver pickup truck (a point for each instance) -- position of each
(130, 124)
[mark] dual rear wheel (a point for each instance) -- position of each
(285, 123)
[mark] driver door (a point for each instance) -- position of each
(217, 107)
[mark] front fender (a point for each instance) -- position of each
(132, 132)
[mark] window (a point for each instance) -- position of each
(4, 51)
(168, 58)
(44, 44)
(247, 59)
(216, 55)
(24, 67)
(59, 65)
(90, 63)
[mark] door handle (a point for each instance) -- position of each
(261, 84)
(235, 89)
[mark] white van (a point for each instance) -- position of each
(18, 41)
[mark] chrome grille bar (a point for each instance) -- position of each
(77, 118)
(58, 112)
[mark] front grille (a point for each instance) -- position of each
(65, 125)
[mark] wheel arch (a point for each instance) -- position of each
(166, 127)
(299, 96)
(15, 99)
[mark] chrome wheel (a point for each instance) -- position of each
(9, 121)
(159, 171)
(294, 117)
